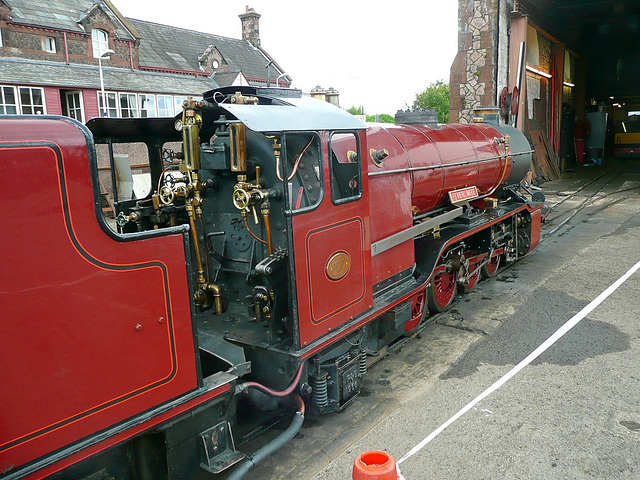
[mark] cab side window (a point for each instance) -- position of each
(303, 169)
(346, 176)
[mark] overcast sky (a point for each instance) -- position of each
(376, 54)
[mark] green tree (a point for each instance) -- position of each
(355, 110)
(435, 96)
(382, 118)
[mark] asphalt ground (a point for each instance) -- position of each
(573, 413)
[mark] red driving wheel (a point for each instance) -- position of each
(441, 291)
(490, 268)
(418, 312)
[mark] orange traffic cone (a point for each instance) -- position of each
(375, 465)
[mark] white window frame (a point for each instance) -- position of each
(132, 104)
(32, 105)
(78, 111)
(50, 44)
(99, 42)
(3, 103)
(112, 111)
(167, 109)
(147, 106)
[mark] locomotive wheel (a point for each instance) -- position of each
(473, 280)
(491, 268)
(441, 291)
(418, 313)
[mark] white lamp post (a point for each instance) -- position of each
(104, 54)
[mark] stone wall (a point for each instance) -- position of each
(473, 73)
(28, 42)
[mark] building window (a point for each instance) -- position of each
(8, 101)
(147, 104)
(32, 101)
(112, 104)
(99, 41)
(165, 105)
(128, 106)
(50, 44)
(177, 103)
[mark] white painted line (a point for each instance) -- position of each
(530, 358)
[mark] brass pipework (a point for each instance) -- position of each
(265, 210)
(217, 296)
(244, 99)
(196, 244)
(191, 122)
(238, 146)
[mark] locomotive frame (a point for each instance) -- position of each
(277, 254)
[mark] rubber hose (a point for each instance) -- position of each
(276, 444)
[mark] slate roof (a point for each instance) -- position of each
(161, 47)
(176, 48)
(24, 72)
(61, 14)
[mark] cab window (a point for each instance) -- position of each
(346, 176)
(302, 170)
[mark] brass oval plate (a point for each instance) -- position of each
(338, 265)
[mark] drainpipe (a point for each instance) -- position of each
(131, 54)
(66, 48)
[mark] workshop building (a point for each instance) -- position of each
(574, 69)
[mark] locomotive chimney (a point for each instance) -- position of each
(250, 29)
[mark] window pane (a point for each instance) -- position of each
(147, 105)
(303, 170)
(37, 97)
(8, 101)
(25, 96)
(345, 168)
(9, 95)
(177, 103)
(165, 106)
(128, 106)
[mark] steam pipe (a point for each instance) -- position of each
(217, 296)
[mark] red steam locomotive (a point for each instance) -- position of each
(280, 245)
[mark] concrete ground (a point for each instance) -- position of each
(574, 413)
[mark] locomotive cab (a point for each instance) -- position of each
(274, 193)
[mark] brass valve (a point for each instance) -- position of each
(123, 219)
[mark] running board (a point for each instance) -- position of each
(412, 232)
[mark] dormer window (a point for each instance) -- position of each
(99, 41)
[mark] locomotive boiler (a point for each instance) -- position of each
(281, 247)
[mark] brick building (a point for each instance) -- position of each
(49, 61)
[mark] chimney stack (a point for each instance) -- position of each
(250, 29)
